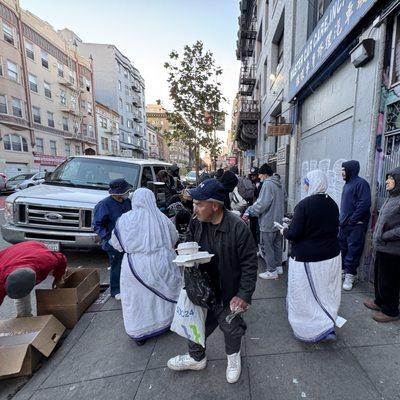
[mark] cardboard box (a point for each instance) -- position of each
(67, 304)
(23, 341)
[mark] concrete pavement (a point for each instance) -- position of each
(98, 361)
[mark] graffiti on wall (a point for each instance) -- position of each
(333, 171)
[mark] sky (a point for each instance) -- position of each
(147, 30)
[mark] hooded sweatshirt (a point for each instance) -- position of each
(387, 230)
(356, 197)
(269, 207)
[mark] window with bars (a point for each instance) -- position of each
(12, 70)
(30, 53)
(33, 83)
(39, 145)
(13, 142)
(17, 107)
(8, 33)
(45, 59)
(50, 119)
(3, 104)
(47, 90)
(36, 115)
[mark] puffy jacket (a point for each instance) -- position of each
(269, 207)
(356, 197)
(386, 237)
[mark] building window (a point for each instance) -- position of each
(47, 90)
(125, 73)
(103, 122)
(60, 70)
(53, 148)
(39, 145)
(129, 122)
(14, 142)
(77, 149)
(83, 104)
(73, 102)
(316, 10)
(45, 59)
(65, 123)
(89, 107)
(67, 149)
(280, 46)
(126, 90)
(81, 81)
(104, 143)
(127, 107)
(122, 120)
(114, 145)
(8, 33)
(3, 104)
(119, 85)
(33, 83)
(63, 97)
(17, 107)
(84, 129)
(120, 104)
(1, 66)
(30, 53)
(91, 131)
(12, 69)
(36, 115)
(71, 78)
(50, 119)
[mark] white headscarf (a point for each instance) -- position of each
(145, 229)
(317, 182)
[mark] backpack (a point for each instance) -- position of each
(246, 188)
(238, 203)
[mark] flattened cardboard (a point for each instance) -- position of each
(24, 340)
(67, 304)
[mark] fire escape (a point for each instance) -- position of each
(248, 109)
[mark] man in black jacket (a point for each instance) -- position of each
(232, 271)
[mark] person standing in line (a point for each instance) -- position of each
(386, 242)
(229, 181)
(254, 227)
(105, 215)
(269, 208)
(314, 280)
(232, 272)
(353, 221)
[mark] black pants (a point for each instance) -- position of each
(233, 332)
(351, 240)
(387, 283)
(255, 229)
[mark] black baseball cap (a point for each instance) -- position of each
(209, 190)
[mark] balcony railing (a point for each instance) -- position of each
(247, 79)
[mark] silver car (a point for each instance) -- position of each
(13, 183)
(33, 181)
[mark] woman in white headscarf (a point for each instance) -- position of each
(314, 281)
(150, 281)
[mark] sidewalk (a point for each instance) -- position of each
(98, 360)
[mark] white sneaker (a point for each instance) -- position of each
(185, 362)
(269, 275)
(279, 270)
(234, 368)
(348, 281)
(117, 297)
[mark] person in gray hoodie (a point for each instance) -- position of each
(386, 241)
(269, 208)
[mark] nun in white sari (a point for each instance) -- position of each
(150, 281)
(314, 279)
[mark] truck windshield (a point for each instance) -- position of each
(93, 173)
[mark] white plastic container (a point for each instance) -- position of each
(188, 248)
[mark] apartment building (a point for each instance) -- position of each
(120, 87)
(107, 130)
(152, 135)
(44, 84)
(175, 151)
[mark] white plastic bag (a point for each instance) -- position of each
(189, 320)
(238, 203)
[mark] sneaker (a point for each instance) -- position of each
(234, 368)
(185, 362)
(279, 270)
(117, 297)
(370, 303)
(269, 275)
(381, 317)
(348, 281)
(329, 338)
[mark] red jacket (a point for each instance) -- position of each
(33, 255)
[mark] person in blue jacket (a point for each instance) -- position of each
(106, 213)
(353, 221)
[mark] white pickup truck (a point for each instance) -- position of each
(59, 211)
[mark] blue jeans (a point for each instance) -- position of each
(115, 258)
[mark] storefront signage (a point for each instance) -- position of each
(338, 20)
(44, 159)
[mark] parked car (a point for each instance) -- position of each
(12, 183)
(34, 180)
(59, 212)
(190, 179)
